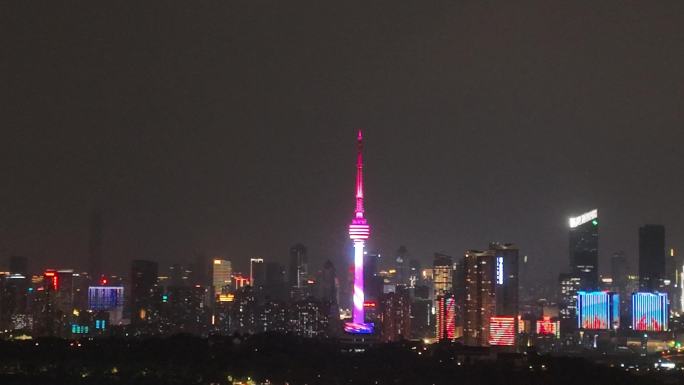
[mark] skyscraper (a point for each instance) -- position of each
(396, 315)
(480, 296)
(298, 266)
(359, 231)
(620, 273)
(144, 301)
(328, 282)
(402, 264)
(584, 238)
(257, 272)
(221, 273)
(445, 320)
(651, 257)
(569, 285)
(506, 271)
(442, 274)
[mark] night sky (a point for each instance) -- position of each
(229, 126)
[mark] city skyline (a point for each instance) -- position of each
(482, 130)
(177, 180)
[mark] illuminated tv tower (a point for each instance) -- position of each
(359, 230)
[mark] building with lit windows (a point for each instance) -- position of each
(257, 272)
(222, 271)
(506, 282)
(479, 303)
(584, 243)
(445, 317)
(299, 263)
(442, 274)
(569, 285)
(308, 318)
(395, 315)
(144, 304)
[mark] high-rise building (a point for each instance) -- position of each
(651, 257)
(584, 240)
(298, 266)
(479, 268)
(144, 294)
(373, 282)
(221, 275)
(402, 266)
(569, 285)
(308, 318)
(201, 270)
(442, 274)
(422, 318)
(359, 231)
(257, 272)
(275, 287)
(328, 283)
(486, 285)
(675, 273)
(396, 315)
(272, 317)
(506, 270)
(445, 317)
(414, 272)
(65, 291)
(14, 299)
(182, 309)
(619, 267)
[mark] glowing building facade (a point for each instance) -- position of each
(108, 299)
(598, 310)
(446, 317)
(221, 275)
(359, 231)
(479, 302)
(650, 312)
(547, 327)
(502, 331)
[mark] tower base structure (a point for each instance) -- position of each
(359, 328)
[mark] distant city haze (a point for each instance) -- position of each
(229, 129)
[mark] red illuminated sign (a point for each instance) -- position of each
(547, 327)
(51, 280)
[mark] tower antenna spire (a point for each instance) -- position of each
(359, 231)
(359, 175)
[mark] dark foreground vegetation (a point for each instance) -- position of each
(277, 359)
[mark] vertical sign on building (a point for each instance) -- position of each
(499, 271)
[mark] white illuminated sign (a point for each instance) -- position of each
(499, 270)
(584, 218)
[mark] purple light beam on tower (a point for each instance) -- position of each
(359, 231)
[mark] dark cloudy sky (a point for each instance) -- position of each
(228, 126)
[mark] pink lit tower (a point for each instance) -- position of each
(359, 230)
